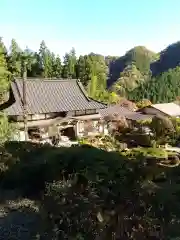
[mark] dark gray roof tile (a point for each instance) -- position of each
(124, 112)
(45, 96)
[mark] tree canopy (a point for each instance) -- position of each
(139, 74)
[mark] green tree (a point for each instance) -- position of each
(69, 65)
(4, 49)
(45, 61)
(4, 74)
(129, 79)
(143, 103)
(84, 69)
(6, 129)
(49, 64)
(162, 88)
(57, 67)
(163, 128)
(27, 59)
(81, 69)
(98, 74)
(72, 63)
(35, 70)
(141, 57)
(14, 63)
(65, 70)
(92, 86)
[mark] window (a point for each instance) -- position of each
(80, 112)
(85, 112)
(38, 116)
(20, 118)
(49, 115)
(71, 113)
(90, 111)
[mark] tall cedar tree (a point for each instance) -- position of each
(69, 65)
(28, 59)
(14, 63)
(45, 62)
(98, 74)
(4, 73)
(57, 67)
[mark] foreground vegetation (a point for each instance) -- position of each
(87, 193)
(102, 189)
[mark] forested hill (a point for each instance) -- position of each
(139, 74)
(144, 74)
(139, 57)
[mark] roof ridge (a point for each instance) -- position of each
(163, 103)
(46, 79)
(81, 87)
(16, 88)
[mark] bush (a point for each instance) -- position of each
(135, 138)
(90, 193)
(102, 142)
(162, 128)
(143, 103)
(147, 152)
(6, 129)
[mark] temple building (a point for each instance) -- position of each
(59, 106)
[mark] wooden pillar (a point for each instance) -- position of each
(76, 129)
(25, 101)
(103, 125)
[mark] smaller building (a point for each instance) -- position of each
(127, 104)
(162, 109)
(119, 111)
(119, 117)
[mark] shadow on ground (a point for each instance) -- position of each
(26, 168)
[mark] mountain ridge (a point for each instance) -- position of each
(140, 65)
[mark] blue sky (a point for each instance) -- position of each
(102, 26)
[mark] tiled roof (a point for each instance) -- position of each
(45, 96)
(127, 104)
(171, 109)
(116, 110)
